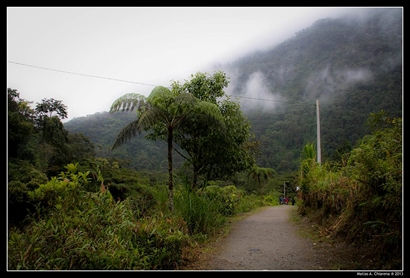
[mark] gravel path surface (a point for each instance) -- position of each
(266, 240)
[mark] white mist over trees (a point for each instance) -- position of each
(330, 57)
(258, 95)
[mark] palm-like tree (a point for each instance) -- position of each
(161, 113)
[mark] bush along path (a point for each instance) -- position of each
(266, 240)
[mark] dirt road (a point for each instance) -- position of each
(266, 240)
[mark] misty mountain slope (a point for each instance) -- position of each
(103, 128)
(329, 56)
(352, 65)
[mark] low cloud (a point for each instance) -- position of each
(354, 75)
(257, 95)
(328, 81)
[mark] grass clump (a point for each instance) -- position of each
(201, 214)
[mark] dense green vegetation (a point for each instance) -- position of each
(359, 197)
(39, 147)
(190, 157)
(203, 140)
(89, 230)
(88, 212)
(80, 229)
(191, 118)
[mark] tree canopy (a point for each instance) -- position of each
(161, 114)
(214, 149)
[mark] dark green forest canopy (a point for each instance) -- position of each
(353, 66)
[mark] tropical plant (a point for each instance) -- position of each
(362, 199)
(308, 152)
(228, 197)
(77, 230)
(200, 213)
(308, 158)
(161, 113)
(214, 149)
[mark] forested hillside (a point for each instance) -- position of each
(102, 129)
(157, 180)
(353, 65)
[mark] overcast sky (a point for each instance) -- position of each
(149, 45)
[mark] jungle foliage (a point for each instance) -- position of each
(359, 198)
(74, 203)
(97, 213)
(124, 224)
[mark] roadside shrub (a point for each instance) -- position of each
(60, 191)
(200, 213)
(89, 230)
(376, 166)
(272, 198)
(362, 200)
(160, 193)
(249, 202)
(95, 235)
(205, 210)
(226, 197)
(162, 239)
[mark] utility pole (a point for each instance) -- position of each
(319, 158)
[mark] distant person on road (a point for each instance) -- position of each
(280, 200)
(293, 201)
(286, 200)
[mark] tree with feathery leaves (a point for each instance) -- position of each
(161, 114)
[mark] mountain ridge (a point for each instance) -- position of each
(353, 65)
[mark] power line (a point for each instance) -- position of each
(82, 74)
(272, 100)
(132, 82)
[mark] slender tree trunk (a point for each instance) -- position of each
(170, 182)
